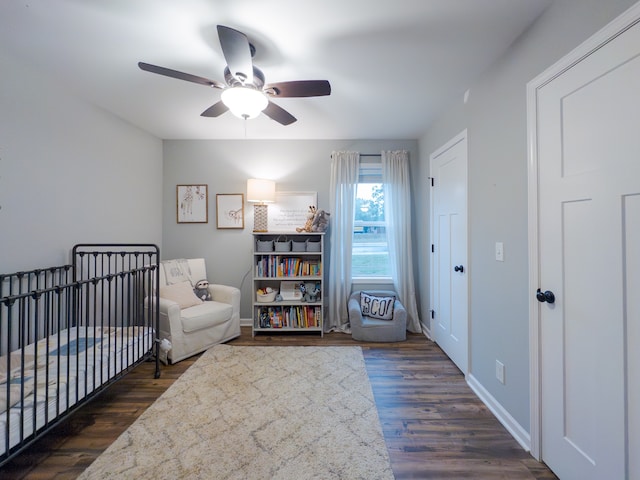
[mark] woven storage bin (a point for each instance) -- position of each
(298, 245)
(264, 245)
(282, 244)
(265, 297)
(313, 245)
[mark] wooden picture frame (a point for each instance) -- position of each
(230, 210)
(290, 210)
(192, 204)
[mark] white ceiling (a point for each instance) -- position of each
(393, 65)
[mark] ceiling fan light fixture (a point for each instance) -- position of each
(245, 92)
(244, 102)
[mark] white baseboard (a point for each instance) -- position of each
(426, 331)
(246, 322)
(512, 426)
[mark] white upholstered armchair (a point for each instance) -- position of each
(189, 323)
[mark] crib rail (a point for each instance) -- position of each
(17, 286)
(132, 272)
(68, 332)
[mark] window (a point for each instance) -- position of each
(370, 252)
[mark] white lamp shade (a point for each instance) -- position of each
(261, 190)
(244, 102)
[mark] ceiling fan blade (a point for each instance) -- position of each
(278, 114)
(215, 110)
(179, 75)
(237, 53)
(300, 88)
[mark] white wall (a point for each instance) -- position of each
(69, 173)
(225, 166)
(495, 117)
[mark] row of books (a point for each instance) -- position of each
(279, 266)
(290, 317)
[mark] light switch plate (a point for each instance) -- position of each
(499, 252)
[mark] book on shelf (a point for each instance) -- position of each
(294, 316)
(279, 266)
(275, 317)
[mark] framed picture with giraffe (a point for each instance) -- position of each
(192, 204)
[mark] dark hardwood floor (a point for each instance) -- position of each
(434, 425)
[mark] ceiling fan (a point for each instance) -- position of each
(245, 92)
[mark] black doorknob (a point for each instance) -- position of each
(547, 296)
(458, 268)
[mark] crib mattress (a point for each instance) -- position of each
(79, 360)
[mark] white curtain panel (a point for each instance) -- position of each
(344, 181)
(397, 213)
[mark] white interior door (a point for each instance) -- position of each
(589, 256)
(449, 292)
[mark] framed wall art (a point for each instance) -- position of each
(192, 204)
(230, 210)
(290, 210)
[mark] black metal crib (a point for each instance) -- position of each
(68, 332)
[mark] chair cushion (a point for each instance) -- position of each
(181, 293)
(207, 314)
(380, 307)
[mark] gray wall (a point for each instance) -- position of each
(69, 173)
(225, 166)
(495, 117)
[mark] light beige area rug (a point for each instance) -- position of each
(247, 413)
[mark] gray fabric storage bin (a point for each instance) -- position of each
(298, 245)
(313, 245)
(281, 244)
(264, 245)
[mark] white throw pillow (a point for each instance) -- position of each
(181, 293)
(380, 307)
(176, 271)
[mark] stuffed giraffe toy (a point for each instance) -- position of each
(310, 216)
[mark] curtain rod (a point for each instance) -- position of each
(370, 155)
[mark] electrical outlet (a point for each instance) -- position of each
(500, 371)
(499, 252)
